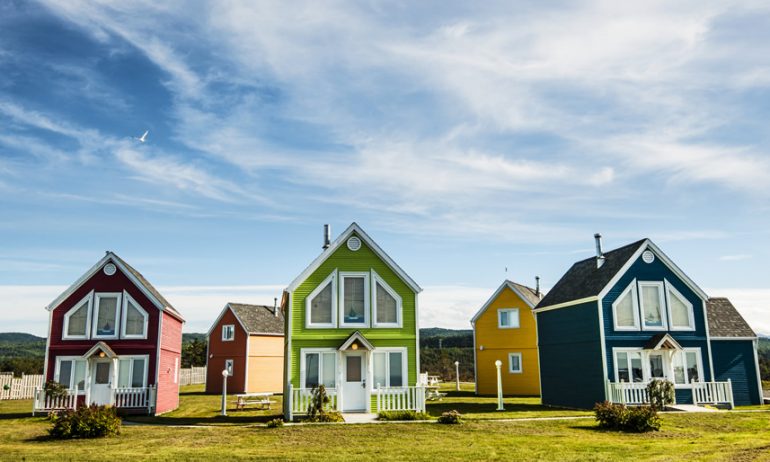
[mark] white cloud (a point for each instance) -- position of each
(752, 304)
(737, 257)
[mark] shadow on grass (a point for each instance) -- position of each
(20, 415)
(212, 420)
(437, 407)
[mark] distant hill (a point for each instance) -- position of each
(193, 336)
(435, 337)
(21, 353)
(20, 337)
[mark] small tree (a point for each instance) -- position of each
(316, 410)
(661, 393)
(54, 389)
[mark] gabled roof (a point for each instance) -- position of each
(528, 294)
(585, 280)
(662, 341)
(133, 275)
(254, 319)
(725, 321)
(356, 337)
(354, 228)
(103, 347)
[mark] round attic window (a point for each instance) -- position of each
(109, 269)
(354, 243)
(648, 257)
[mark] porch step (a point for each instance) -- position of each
(689, 408)
(359, 417)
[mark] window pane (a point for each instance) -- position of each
(621, 358)
(680, 313)
(65, 373)
(656, 366)
(353, 370)
(228, 332)
(651, 302)
(624, 310)
(137, 375)
(692, 367)
(311, 371)
(329, 370)
(636, 367)
(678, 368)
(124, 370)
(354, 299)
(105, 322)
(386, 306)
(515, 365)
(134, 320)
(102, 373)
(321, 306)
(505, 320)
(77, 321)
(396, 374)
(80, 374)
(379, 370)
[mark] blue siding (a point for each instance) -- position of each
(571, 373)
(734, 360)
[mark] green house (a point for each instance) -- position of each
(351, 325)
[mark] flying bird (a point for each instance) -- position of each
(142, 138)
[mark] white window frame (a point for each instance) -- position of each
(95, 317)
(57, 369)
(303, 352)
(230, 367)
(508, 310)
(699, 365)
(330, 279)
(510, 363)
(404, 365)
(87, 299)
(670, 289)
(642, 355)
(146, 359)
(341, 297)
(225, 328)
(662, 302)
(124, 317)
(376, 279)
(634, 304)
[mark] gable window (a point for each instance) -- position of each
(653, 315)
(320, 304)
(132, 372)
(229, 367)
(106, 312)
(76, 320)
(389, 368)
(628, 366)
(354, 294)
(134, 319)
(387, 303)
(625, 309)
(71, 372)
(508, 318)
(320, 368)
(228, 332)
(687, 366)
(514, 363)
(679, 310)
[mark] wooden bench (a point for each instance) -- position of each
(261, 400)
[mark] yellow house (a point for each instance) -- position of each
(505, 329)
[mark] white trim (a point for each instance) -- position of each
(417, 341)
(733, 338)
(668, 364)
(287, 355)
(661, 305)
(157, 351)
(404, 365)
(341, 297)
(224, 331)
(356, 336)
(73, 359)
(510, 363)
(124, 318)
(579, 301)
(219, 318)
(88, 299)
(376, 279)
(95, 317)
(476, 361)
(500, 311)
(508, 284)
(131, 358)
(48, 345)
(102, 346)
(631, 289)
(320, 351)
(704, 304)
(330, 279)
(667, 338)
(755, 344)
(603, 346)
(671, 290)
(342, 238)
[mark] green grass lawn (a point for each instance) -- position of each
(722, 436)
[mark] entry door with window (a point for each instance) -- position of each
(658, 366)
(101, 382)
(354, 382)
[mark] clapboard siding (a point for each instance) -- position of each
(734, 360)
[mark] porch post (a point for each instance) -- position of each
(730, 390)
(289, 399)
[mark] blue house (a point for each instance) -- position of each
(616, 321)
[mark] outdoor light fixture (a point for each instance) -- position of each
(101, 354)
(354, 346)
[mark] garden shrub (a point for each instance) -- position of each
(638, 419)
(275, 423)
(85, 422)
(661, 393)
(609, 415)
(54, 389)
(402, 415)
(316, 411)
(450, 417)
(328, 416)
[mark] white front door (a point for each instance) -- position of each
(354, 382)
(101, 382)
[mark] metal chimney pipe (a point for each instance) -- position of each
(327, 236)
(275, 306)
(599, 252)
(537, 285)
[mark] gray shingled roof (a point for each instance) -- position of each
(258, 319)
(528, 292)
(149, 287)
(725, 321)
(584, 279)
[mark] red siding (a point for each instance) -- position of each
(221, 351)
(170, 362)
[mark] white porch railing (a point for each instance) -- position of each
(134, 398)
(713, 393)
(41, 402)
(401, 399)
(300, 398)
(631, 393)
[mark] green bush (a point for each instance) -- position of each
(275, 423)
(661, 393)
(327, 416)
(402, 415)
(54, 389)
(610, 415)
(638, 419)
(450, 417)
(85, 422)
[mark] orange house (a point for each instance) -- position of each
(247, 340)
(505, 329)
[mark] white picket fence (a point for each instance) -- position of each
(401, 399)
(192, 376)
(300, 398)
(19, 387)
(713, 393)
(632, 393)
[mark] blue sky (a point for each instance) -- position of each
(465, 140)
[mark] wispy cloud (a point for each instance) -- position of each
(737, 257)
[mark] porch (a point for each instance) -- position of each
(385, 399)
(635, 393)
(133, 400)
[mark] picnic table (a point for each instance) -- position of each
(262, 400)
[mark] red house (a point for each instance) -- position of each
(113, 339)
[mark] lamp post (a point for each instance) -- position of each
(500, 407)
(224, 392)
(457, 375)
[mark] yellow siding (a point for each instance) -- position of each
(498, 343)
(265, 364)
